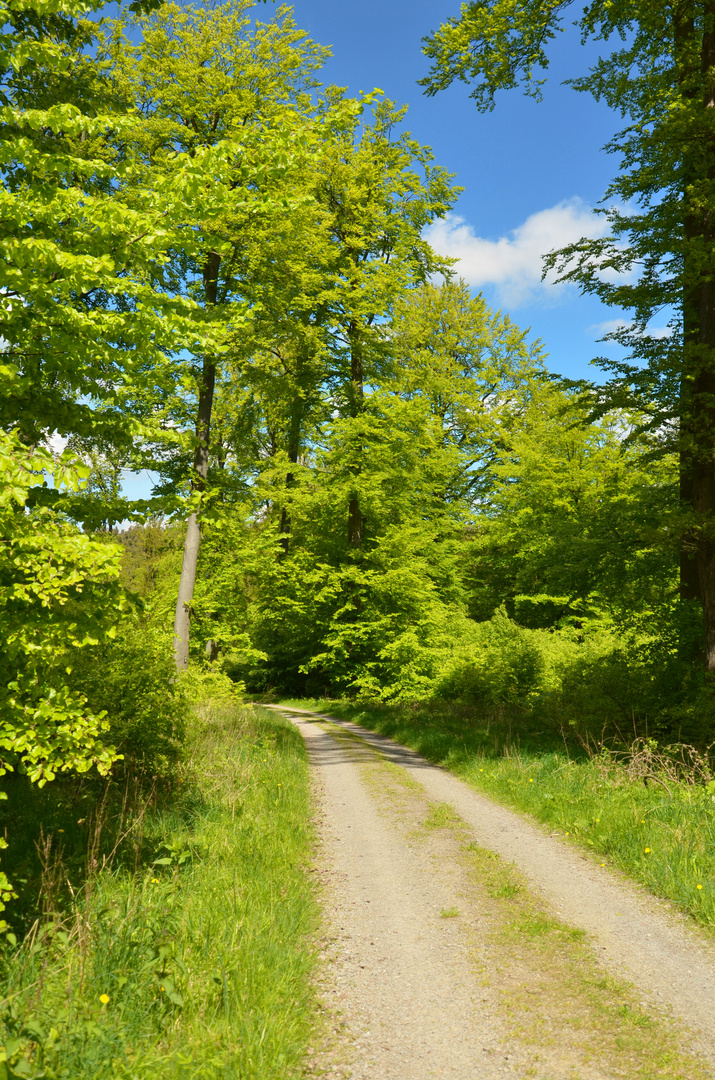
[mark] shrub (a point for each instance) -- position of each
(504, 665)
(592, 681)
(133, 679)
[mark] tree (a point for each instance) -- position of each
(472, 365)
(334, 272)
(202, 78)
(659, 74)
(58, 590)
(570, 526)
(446, 384)
(379, 192)
(90, 332)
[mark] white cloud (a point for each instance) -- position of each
(513, 263)
(600, 329)
(610, 326)
(57, 442)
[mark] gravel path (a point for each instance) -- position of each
(404, 980)
(402, 976)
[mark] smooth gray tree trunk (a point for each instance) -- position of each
(192, 541)
(182, 617)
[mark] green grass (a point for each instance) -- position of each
(661, 833)
(199, 931)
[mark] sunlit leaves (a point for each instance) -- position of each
(58, 590)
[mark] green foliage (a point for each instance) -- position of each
(58, 590)
(579, 519)
(212, 81)
(131, 678)
(217, 269)
(284, 592)
(204, 682)
(151, 561)
(496, 44)
(318, 612)
(505, 667)
(94, 317)
(74, 269)
(482, 485)
(656, 68)
(472, 367)
(187, 948)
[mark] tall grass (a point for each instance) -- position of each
(186, 951)
(647, 810)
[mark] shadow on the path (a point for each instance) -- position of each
(337, 752)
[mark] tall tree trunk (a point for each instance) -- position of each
(683, 28)
(704, 503)
(689, 577)
(182, 615)
(356, 403)
(192, 540)
(703, 386)
(354, 522)
(295, 429)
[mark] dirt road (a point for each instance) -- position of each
(471, 944)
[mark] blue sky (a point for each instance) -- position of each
(531, 171)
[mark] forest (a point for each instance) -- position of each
(369, 486)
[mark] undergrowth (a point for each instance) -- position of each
(648, 810)
(174, 931)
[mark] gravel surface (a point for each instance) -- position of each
(402, 977)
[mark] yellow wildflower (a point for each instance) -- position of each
(104, 998)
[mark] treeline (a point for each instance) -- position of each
(214, 268)
(179, 192)
(513, 553)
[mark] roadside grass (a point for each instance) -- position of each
(176, 939)
(657, 829)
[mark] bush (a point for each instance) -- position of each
(208, 682)
(133, 679)
(592, 682)
(505, 665)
